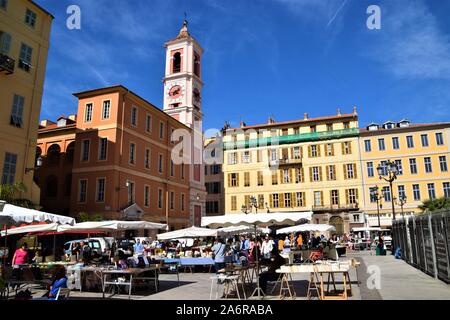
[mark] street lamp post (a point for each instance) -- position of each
(253, 204)
(401, 202)
(37, 165)
(376, 196)
(388, 173)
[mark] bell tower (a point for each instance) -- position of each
(182, 80)
(183, 101)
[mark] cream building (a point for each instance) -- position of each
(24, 43)
(310, 164)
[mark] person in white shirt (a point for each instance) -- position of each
(267, 247)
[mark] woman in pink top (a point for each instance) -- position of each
(21, 255)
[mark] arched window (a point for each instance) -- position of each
(68, 185)
(338, 223)
(51, 186)
(176, 67)
(70, 150)
(53, 154)
(197, 65)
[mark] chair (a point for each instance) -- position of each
(63, 293)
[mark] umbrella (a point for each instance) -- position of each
(32, 228)
(111, 225)
(307, 227)
(255, 220)
(192, 232)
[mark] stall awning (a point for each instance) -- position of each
(192, 232)
(14, 215)
(307, 227)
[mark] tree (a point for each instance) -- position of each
(435, 204)
(84, 217)
(8, 192)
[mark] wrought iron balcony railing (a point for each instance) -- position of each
(6, 64)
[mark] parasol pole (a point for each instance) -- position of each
(6, 246)
(54, 247)
(258, 289)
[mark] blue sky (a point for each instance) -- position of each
(278, 58)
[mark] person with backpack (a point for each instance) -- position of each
(219, 254)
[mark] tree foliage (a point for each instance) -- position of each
(84, 217)
(435, 204)
(9, 193)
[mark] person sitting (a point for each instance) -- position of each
(276, 261)
(59, 280)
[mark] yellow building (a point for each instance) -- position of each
(421, 152)
(310, 164)
(24, 42)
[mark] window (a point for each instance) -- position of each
(196, 64)
(367, 145)
(300, 199)
(148, 123)
(329, 127)
(314, 151)
(260, 178)
(416, 192)
(395, 143)
(383, 165)
(88, 112)
(106, 109)
(431, 191)
(3, 4)
(134, 115)
(356, 218)
(275, 199)
(335, 197)
(147, 159)
(25, 57)
(401, 192)
(17, 111)
(318, 198)
(259, 155)
(172, 200)
(428, 166)
(346, 125)
(413, 166)
(273, 154)
(246, 179)
(232, 158)
(246, 157)
(176, 67)
(260, 201)
(443, 163)
(130, 192)
(182, 171)
(446, 188)
(30, 18)
(146, 196)
(100, 190)
(386, 192)
(9, 168)
(346, 147)
(329, 149)
(233, 203)
(102, 148)
(313, 128)
(85, 145)
(274, 178)
(287, 200)
(286, 176)
(299, 175)
(296, 130)
(410, 142)
(82, 191)
(370, 172)
(316, 174)
(233, 179)
(424, 139)
(160, 163)
(331, 172)
(160, 198)
(399, 167)
(350, 171)
(182, 202)
(5, 42)
(381, 145)
(439, 139)
(296, 152)
(132, 153)
(172, 168)
(161, 130)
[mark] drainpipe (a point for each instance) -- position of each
(121, 147)
(168, 158)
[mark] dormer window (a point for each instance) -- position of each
(62, 122)
(373, 127)
(389, 125)
(404, 123)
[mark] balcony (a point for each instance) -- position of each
(6, 64)
(285, 162)
(336, 207)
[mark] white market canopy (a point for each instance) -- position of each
(14, 215)
(307, 227)
(32, 228)
(192, 232)
(255, 219)
(233, 230)
(366, 229)
(112, 225)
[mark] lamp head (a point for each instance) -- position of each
(39, 162)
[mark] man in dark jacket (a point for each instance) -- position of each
(276, 261)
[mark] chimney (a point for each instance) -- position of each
(355, 113)
(242, 124)
(339, 112)
(305, 116)
(271, 120)
(73, 117)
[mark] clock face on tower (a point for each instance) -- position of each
(175, 92)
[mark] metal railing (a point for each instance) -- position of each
(424, 241)
(6, 64)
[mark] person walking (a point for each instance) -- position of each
(219, 254)
(20, 256)
(266, 248)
